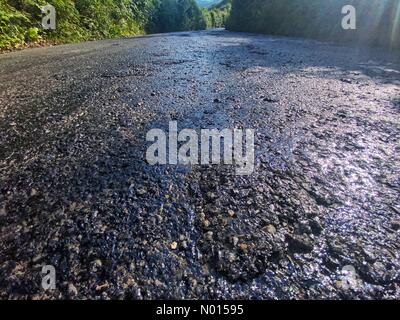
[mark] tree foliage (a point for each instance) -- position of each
(378, 21)
(78, 20)
(167, 15)
(217, 15)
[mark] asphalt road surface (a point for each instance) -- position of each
(318, 218)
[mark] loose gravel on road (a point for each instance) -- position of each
(77, 193)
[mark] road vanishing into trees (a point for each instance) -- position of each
(318, 218)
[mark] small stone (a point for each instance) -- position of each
(37, 258)
(3, 212)
(211, 195)
(158, 283)
(72, 207)
(206, 223)
(206, 270)
(72, 291)
(130, 282)
(269, 99)
(302, 227)
(269, 229)
(34, 192)
(216, 100)
(193, 282)
(316, 226)
(369, 254)
(235, 241)
(98, 263)
(395, 224)
(231, 257)
(243, 246)
(141, 191)
(231, 213)
(102, 287)
(339, 284)
(174, 245)
(209, 235)
(346, 80)
(300, 244)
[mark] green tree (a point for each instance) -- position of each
(378, 21)
(78, 20)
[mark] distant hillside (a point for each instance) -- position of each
(207, 3)
(221, 4)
